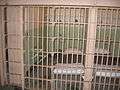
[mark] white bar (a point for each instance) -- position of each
(58, 43)
(79, 38)
(48, 14)
(52, 54)
(28, 64)
(64, 38)
(33, 28)
(22, 62)
(38, 27)
(43, 11)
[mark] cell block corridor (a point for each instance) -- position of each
(62, 47)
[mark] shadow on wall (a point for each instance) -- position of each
(8, 87)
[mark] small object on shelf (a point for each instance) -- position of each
(101, 51)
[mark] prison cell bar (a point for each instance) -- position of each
(42, 69)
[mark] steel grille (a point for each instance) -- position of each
(61, 47)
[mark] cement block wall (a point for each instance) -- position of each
(68, 2)
(14, 29)
(14, 45)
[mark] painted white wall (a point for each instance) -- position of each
(68, 2)
(1, 69)
(2, 2)
(14, 28)
(0, 34)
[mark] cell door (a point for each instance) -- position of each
(71, 48)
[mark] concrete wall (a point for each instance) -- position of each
(68, 2)
(1, 59)
(14, 28)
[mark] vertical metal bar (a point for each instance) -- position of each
(63, 37)
(117, 63)
(32, 49)
(38, 21)
(42, 44)
(68, 36)
(73, 41)
(52, 54)
(90, 48)
(28, 41)
(48, 15)
(55, 82)
(22, 51)
(82, 47)
(84, 16)
(76, 38)
(71, 38)
(58, 43)
(68, 40)
(57, 24)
